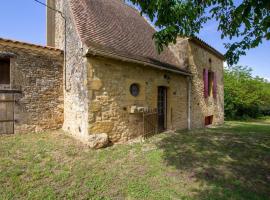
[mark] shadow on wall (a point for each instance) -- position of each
(234, 162)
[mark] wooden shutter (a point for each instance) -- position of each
(205, 80)
(215, 85)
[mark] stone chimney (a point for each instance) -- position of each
(51, 23)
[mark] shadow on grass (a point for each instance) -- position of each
(233, 162)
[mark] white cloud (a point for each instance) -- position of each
(225, 65)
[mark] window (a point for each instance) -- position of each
(5, 71)
(209, 120)
(134, 89)
(210, 83)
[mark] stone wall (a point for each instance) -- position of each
(110, 99)
(38, 74)
(97, 98)
(76, 93)
(199, 58)
(180, 51)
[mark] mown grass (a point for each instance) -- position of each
(229, 162)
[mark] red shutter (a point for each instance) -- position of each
(205, 80)
(215, 85)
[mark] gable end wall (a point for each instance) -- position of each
(201, 106)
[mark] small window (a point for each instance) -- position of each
(5, 71)
(210, 83)
(209, 120)
(134, 89)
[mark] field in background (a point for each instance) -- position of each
(230, 162)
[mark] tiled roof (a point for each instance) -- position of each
(113, 26)
(30, 45)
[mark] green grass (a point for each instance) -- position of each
(229, 162)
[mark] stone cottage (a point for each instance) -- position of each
(116, 87)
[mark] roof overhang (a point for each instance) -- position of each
(24, 45)
(111, 55)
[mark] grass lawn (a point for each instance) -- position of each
(230, 162)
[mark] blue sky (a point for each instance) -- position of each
(25, 20)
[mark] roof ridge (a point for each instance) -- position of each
(124, 1)
(135, 9)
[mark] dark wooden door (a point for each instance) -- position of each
(162, 108)
(6, 114)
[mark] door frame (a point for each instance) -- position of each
(165, 107)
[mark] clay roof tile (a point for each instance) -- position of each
(113, 26)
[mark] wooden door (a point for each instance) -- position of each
(162, 108)
(6, 114)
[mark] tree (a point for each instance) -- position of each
(247, 21)
(244, 95)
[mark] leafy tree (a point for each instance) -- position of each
(247, 20)
(245, 96)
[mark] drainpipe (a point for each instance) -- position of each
(189, 101)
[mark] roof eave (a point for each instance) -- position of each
(95, 52)
(15, 43)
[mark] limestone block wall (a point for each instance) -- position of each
(111, 101)
(199, 59)
(180, 51)
(38, 74)
(75, 83)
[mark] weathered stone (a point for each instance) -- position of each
(38, 74)
(200, 59)
(97, 141)
(95, 84)
(95, 106)
(101, 127)
(76, 93)
(118, 103)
